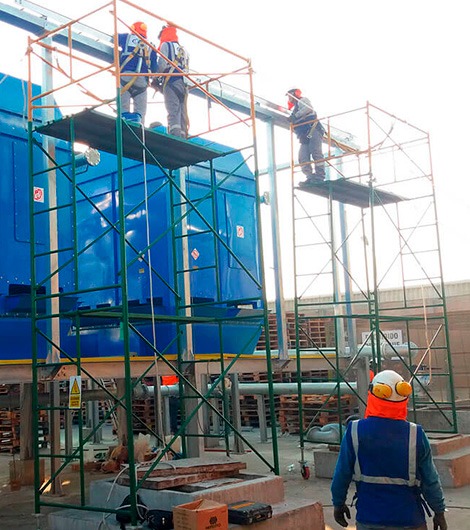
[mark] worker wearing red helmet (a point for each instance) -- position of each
(173, 60)
(135, 57)
(309, 132)
(390, 461)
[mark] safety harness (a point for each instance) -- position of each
(141, 50)
(412, 442)
(178, 62)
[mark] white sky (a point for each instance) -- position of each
(409, 57)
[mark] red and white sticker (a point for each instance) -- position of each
(38, 194)
(195, 253)
(241, 231)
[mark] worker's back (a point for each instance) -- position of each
(384, 451)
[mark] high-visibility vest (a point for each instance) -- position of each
(358, 476)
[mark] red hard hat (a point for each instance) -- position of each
(296, 92)
(140, 28)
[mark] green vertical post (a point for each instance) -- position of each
(125, 308)
(34, 345)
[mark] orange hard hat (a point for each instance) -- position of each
(140, 28)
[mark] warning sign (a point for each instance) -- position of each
(75, 392)
(38, 194)
(241, 231)
(195, 253)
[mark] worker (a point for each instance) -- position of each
(135, 57)
(390, 461)
(309, 132)
(173, 59)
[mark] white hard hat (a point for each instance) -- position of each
(390, 386)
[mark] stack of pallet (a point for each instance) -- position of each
(9, 430)
(145, 411)
(317, 411)
(249, 404)
(312, 332)
(273, 338)
(9, 423)
(306, 376)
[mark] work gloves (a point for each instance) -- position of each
(343, 510)
(439, 521)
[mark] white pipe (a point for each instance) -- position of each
(385, 349)
(279, 389)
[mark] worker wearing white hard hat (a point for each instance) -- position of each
(390, 461)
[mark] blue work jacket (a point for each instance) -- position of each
(135, 56)
(391, 464)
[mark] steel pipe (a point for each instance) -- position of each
(146, 392)
(279, 389)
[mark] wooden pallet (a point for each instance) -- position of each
(316, 411)
(185, 471)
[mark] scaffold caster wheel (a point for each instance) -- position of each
(305, 470)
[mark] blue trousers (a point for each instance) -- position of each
(360, 526)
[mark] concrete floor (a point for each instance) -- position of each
(16, 507)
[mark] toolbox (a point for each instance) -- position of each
(249, 512)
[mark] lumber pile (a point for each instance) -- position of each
(174, 473)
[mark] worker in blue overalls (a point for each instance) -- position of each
(390, 461)
(309, 132)
(135, 57)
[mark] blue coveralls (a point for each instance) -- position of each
(392, 467)
(309, 134)
(135, 57)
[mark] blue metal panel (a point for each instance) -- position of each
(99, 264)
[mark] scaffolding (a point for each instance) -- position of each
(369, 227)
(63, 188)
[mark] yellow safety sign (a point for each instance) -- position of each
(75, 392)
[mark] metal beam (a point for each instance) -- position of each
(37, 25)
(99, 45)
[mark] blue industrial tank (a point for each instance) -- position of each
(225, 286)
(15, 275)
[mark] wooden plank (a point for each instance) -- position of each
(187, 466)
(160, 483)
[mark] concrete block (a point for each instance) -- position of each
(436, 420)
(298, 514)
(79, 520)
(454, 468)
(446, 444)
(324, 462)
(259, 488)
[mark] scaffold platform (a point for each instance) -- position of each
(98, 130)
(349, 192)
